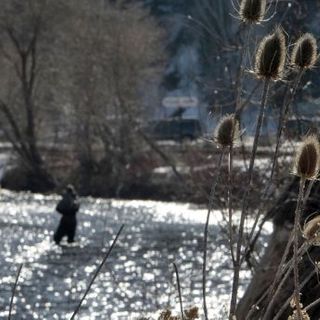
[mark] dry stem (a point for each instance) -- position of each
(179, 289)
(230, 164)
(14, 290)
(97, 272)
(237, 266)
(205, 244)
(281, 125)
(296, 246)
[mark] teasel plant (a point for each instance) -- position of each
(269, 66)
(306, 167)
(311, 236)
(303, 57)
(226, 137)
(286, 269)
(250, 13)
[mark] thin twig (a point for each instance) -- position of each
(286, 304)
(282, 123)
(255, 306)
(97, 272)
(241, 67)
(313, 304)
(251, 245)
(230, 164)
(279, 272)
(308, 191)
(287, 269)
(237, 267)
(283, 118)
(179, 289)
(281, 269)
(14, 290)
(205, 244)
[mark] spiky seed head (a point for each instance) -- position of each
(227, 131)
(192, 313)
(303, 315)
(252, 11)
(307, 158)
(304, 53)
(311, 231)
(271, 56)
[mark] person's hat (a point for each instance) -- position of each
(70, 188)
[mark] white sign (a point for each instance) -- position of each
(176, 102)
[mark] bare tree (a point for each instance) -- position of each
(25, 59)
(118, 57)
(84, 63)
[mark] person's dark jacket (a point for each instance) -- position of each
(68, 205)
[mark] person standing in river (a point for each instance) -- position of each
(68, 207)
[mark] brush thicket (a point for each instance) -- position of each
(271, 56)
(307, 159)
(304, 53)
(252, 11)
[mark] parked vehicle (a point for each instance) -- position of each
(175, 129)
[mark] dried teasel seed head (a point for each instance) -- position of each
(271, 56)
(311, 231)
(303, 316)
(304, 53)
(293, 303)
(192, 313)
(252, 11)
(307, 158)
(227, 132)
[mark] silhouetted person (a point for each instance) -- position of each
(68, 207)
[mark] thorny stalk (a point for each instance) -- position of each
(281, 268)
(285, 271)
(281, 125)
(285, 305)
(230, 165)
(237, 267)
(205, 243)
(243, 56)
(279, 272)
(308, 191)
(239, 86)
(238, 117)
(97, 272)
(296, 246)
(283, 118)
(14, 290)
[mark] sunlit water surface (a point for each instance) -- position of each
(138, 278)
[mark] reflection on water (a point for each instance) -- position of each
(137, 279)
